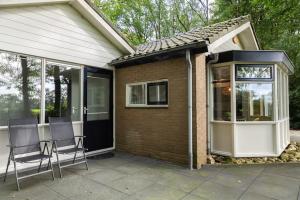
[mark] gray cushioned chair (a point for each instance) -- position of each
(63, 142)
(25, 147)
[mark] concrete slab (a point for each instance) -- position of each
(129, 177)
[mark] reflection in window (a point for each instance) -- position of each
(20, 87)
(254, 101)
(136, 94)
(222, 93)
(62, 91)
(253, 71)
(98, 97)
(157, 93)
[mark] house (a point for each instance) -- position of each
(207, 90)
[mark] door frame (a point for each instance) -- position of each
(97, 152)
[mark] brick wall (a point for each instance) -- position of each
(155, 132)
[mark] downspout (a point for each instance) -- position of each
(213, 58)
(190, 106)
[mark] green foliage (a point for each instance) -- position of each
(145, 20)
(277, 24)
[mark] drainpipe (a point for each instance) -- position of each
(214, 58)
(190, 106)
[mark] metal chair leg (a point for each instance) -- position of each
(86, 164)
(58, 163)
(16, 173)
(39, 169)
(52, 172)
(8, 163)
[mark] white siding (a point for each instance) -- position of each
(54, 31)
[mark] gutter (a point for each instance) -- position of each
(190, 106)
(142, 56)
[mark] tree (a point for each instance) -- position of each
(277, 25)
(145, 20)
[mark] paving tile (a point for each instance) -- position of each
(211, 190)
(156, 192)
(106, 176)
(244, 171)
(94, 191)
(235, 181)
(112, 163)
(130, 184)
(30, 189)
(193, 197)
(180, 181)
(278, 187)
(284, 170)
(81, 169)
(131, 168)
(209, 172)
(251, 196)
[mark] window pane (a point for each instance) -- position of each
(251, 71)
(62, 91)
(97, 97)
(137, 94)
(158, 93)
(222, 93)
(20, 87)
(254, 101)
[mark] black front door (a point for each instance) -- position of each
(98, 109)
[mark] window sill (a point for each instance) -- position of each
(147, 106)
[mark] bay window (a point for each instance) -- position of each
(254, 92)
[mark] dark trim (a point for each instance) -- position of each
(257, 57)
(255, 79)
(165, 83)
(197, 47)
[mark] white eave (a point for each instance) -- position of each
(246, 34)
(85, 10)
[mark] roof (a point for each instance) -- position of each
(90, 12)
(205, 35)
(261, 56)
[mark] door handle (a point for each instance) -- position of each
(85, 110)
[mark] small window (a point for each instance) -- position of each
(154, 93)
(157, 93)
(136, 94)
(254, 72)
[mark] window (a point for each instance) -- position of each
(157, 93)
(136, 94)
(147, 94)
(254, 92)
(62, 88)
(20, 87)
(254, 72)
(221, 93)
(254, 101)
(98, 103)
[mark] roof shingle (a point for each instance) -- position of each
(209, 34)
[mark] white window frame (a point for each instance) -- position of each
(128, 85)
(43, 79)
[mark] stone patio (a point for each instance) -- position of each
(129, 177)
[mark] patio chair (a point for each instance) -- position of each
(25, 147)
(63, 142)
